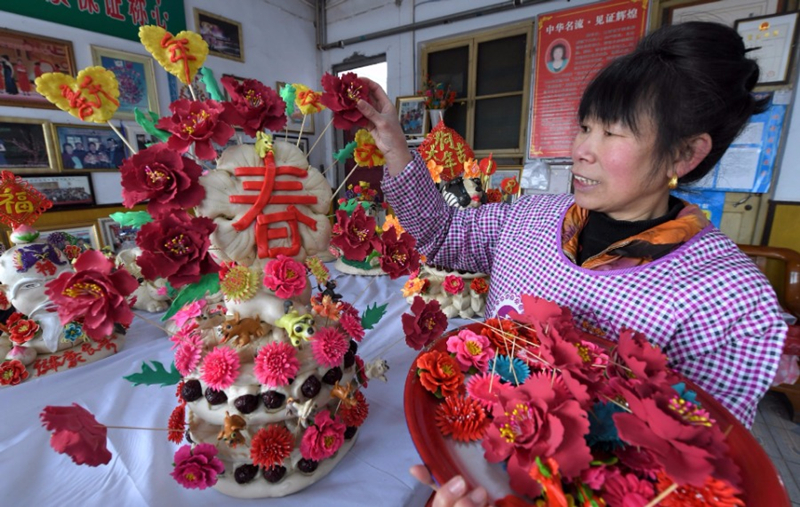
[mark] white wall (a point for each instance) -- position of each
(279, 39)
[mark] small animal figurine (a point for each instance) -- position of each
(297, 326)
(330, 290)
(302, 411)
(344, 393)
(377, 369)
(242, 330)
(231, 431)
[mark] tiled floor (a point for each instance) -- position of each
(780, 437)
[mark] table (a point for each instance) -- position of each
(375, 472)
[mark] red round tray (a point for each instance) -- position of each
(761, 484)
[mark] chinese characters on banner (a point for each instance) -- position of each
(572, 46)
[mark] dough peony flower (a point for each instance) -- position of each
(198, 123)
(77, 434)
(323, 438)
(285, 276)
(21, 329)
(627, 490)
(275, 364)
(220, 368)
(357, 232)
(163, 176)
(642, 360)
(425, 323)
(352, 326)
(493, 195)
(439, 373)
(355, 415)
(471, 349)
(341, 96)
(271, 445)
(12, 372)
(461, 417)
(479, 286)
(175, 247)
(329, 346)
(307, 100)
(398, 255)
(367, 153)
(197, 468)
(95, 294)
(453, 284)
(253, 106)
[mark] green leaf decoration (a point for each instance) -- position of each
(373, 315)
(131, 218)
(288, 94)
(194, 291)
(351, 205)
(155, 374)
(149, 124)
(211, 84)
(345, 153)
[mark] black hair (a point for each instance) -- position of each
(553, 49)
(688, 79)
(64, 146)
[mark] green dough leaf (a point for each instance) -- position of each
(149, 124)
(372, 315)
(189, 293)
(155, 374)
(211, 84)
(342, 155)
(288, 94)
(131, 218)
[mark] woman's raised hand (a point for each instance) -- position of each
(452, 493)
(384, 125)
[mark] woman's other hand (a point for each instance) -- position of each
(453, 493)
(384, 125)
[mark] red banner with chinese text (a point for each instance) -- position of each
(572, 46)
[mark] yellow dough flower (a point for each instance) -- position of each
(392, 221)
(181, 55)
(367, 153)
(93, 96)
(307, 100)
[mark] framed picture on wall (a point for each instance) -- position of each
(88, 147)
(295, 121)
(718, 11)
(178, 90)
(413, 120)
(223, 35)
(136, 77)
(137, 137)
(502, 174)
(26, 145)
(65, 191)
(85, 234)
(771, 40)
(115, 236)
(23, 58)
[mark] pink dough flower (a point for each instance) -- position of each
(94, 294)
(196, 122)
(188, 354)
(188, 312)
(329, 346)
(627, 490)
(275, 364)
(471, 350)
(197, 468)
(486, 388)
(285, 276)
(77, 434)
(220, 368)
(453, 284)
(352, 326)
(322, 439)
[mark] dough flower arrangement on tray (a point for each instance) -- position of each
(574, 422)
(268, 377)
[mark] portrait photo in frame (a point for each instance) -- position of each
(295, 120)
(85, 233)
(116, 237)
(771, 40)
(26, 145)
(223, 35)
(88, 147)
(411, 113)
(65, 191)
(19, 67)
(136, 76)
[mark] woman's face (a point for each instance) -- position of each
(558, 53)
(613, 171)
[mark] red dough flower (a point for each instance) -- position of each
(461, 417)
(199, 123)
(76, 433)
(627, 490)
(485, 388)
(714, 493)
(285, 276)
(20, 329)
(177, 424)
(275, 364)
(440, 374)
(322, 439)
(160, 174)
(479, 285)
(453, 284)
(271, 445)
(426, 323)
(253, 106)
(197, 468)
(94, 294)
(220, 368)
(175, 247)
(357, 234)
(341, 96)
(355, 415)
(352, 326)
(329, 346)
(398, 255)
(12, 372)
(502, 333)
(493, 195)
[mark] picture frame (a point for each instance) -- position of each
(294, 122)
(81, 157)
(85, 231)
(41, 55)
(137, 137)
(65, 191)
(116, 237)
(772, 40)
(26, 145)
(136, 76)
(412, 113)
(725, 12)
(506, 172)
(178, 90)
(223, 35)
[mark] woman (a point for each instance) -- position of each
(621, 253)
(557, 61)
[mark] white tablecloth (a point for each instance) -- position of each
(375, 472)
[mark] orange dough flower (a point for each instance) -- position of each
(461, 417)
(714, 493)
(271, 445)
(177, 424)
(440, 374)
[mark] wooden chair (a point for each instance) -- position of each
(774, 262)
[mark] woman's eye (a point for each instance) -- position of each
(584, 129)
(608, 133)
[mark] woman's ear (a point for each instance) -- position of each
(696, 150)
